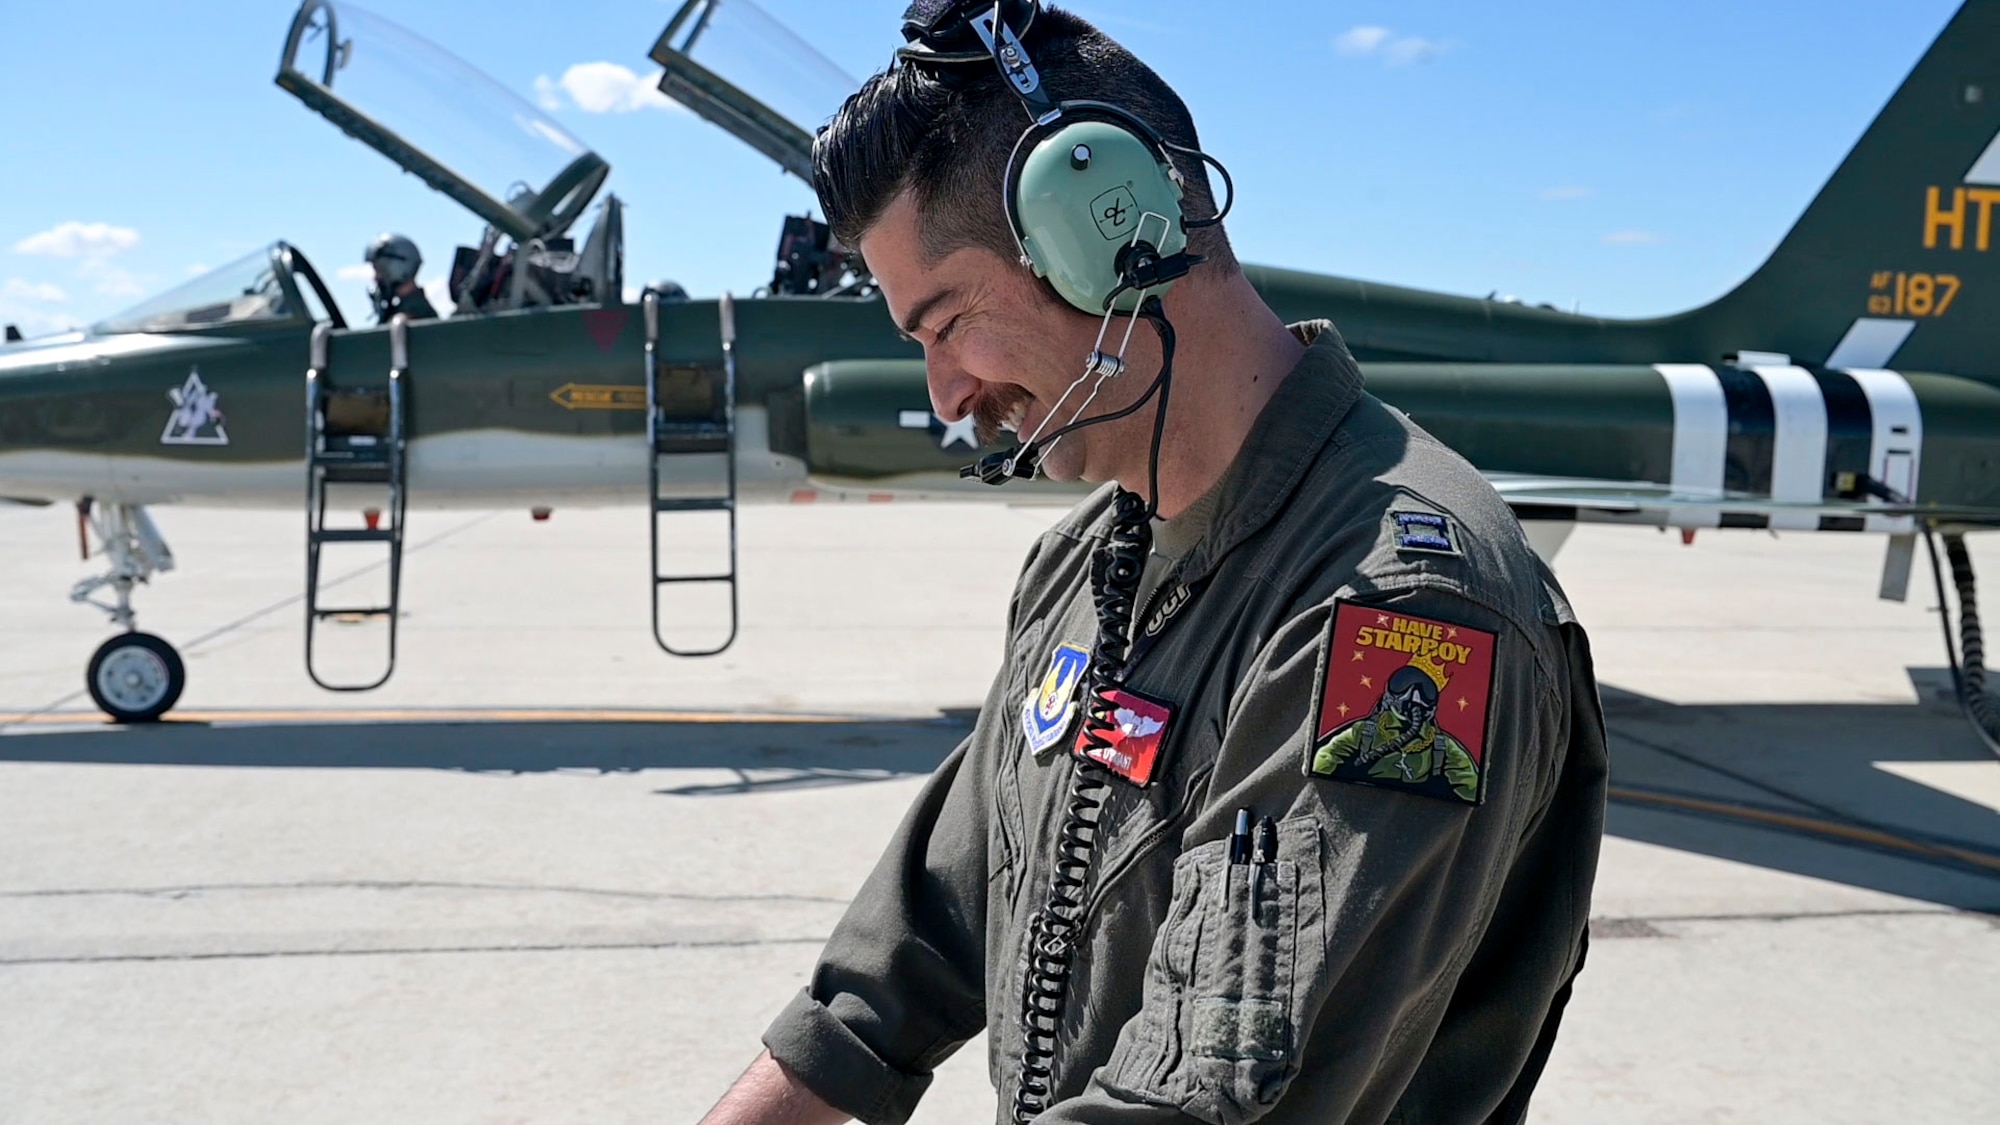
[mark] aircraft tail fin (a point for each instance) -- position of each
(1897, 261)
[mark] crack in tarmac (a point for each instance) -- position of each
(418, 950)
(1626, 927)
(184, 890)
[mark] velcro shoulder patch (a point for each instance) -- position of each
(1131, 745)
(1428, 532)
(1402, 702)
(1051, 706)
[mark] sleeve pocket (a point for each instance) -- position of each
(1219, 1030)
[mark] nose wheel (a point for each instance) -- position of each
(135, 677)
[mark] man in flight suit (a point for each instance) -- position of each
(1395, 951)
(396, 260)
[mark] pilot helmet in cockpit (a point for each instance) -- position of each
(395, 258)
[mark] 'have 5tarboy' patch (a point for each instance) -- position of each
(1402, 702)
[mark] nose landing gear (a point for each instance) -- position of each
(135, 677)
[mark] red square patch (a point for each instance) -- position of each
(1132, 745)
(1402, 703)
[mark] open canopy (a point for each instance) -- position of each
(439, 118)
(734, 65)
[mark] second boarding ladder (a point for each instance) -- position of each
(691, 418)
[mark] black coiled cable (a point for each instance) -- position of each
(1969, 667)
(1056, 929)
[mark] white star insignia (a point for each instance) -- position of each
(961, 430)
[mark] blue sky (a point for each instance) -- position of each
(1630, 159)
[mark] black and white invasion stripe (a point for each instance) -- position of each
(1787, 432)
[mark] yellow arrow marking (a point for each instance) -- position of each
(598, 396)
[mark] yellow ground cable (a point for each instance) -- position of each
(1814, 825)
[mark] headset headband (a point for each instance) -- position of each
(943, 32)
(953, 32)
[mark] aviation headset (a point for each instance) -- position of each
(1091, 193)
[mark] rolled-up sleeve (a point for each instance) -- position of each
(901, 982)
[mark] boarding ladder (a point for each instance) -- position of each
(356, 438)
(691, 418)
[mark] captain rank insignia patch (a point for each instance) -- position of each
(1402, 703)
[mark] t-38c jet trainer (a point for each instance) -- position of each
(1851, 384)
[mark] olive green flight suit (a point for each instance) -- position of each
(1406, 957)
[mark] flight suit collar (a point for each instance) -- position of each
(1282, 445)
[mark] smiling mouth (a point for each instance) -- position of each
(1004, 410)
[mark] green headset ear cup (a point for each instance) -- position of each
(1080, 195)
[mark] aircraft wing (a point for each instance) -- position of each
(1658, 504)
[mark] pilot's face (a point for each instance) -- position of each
(999, 347)
(1410, 707)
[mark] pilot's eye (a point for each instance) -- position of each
(944, 332)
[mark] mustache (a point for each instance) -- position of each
(992, 409)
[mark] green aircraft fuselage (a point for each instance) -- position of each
(1862, 356)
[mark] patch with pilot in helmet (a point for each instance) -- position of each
(1402, 703)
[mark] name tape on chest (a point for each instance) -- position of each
(1402, 703)
(1048, 711)
(1132, 745)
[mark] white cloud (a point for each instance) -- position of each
(112, 281)
(602, 87)
(548, 95)
(1360, 42)
(40, 292)
(362, 272)
(1633, 238)
(79, 240)
(1368, 41)
(28, 305)
(198, 268)
(1411, 49)
(1564, 192)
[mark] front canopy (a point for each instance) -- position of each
(247, 290)
(269, 285)
(439, 118)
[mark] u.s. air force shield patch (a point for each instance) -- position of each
(1402, 703)
(1048, 711)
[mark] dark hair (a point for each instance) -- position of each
(945, 133)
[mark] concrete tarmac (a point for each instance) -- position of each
(549, 874)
